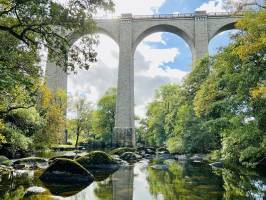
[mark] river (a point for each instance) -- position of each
(140, 181)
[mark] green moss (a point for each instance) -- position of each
(70, 171)
(15, 195)
(67, 165)
(120, 151)
(96, 159)
(129, 156)
(71, 157)
(5, 161)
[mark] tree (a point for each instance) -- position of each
(51, 107)
(234, 93)
(25, 27)
(104, 117)
(50, 24)
(19, 75)
(243, 5)
(158, 126)
(82, 122)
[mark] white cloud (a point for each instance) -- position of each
(102, 75)
(137, 7)
(157, 57)
(212, 6)
(148, 75)
(156, 37)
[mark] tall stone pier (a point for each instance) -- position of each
(124, 132)
(197, 29)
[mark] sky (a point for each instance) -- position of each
(159, 59)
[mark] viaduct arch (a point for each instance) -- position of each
(197, 29)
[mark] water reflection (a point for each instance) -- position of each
(185, 181)
(241, 186)
(181, 181)
(119, 186)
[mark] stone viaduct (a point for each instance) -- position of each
(197, 29)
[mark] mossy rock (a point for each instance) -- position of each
(66, 171)
(121, 150)
(5, 161)
(5, 169)
(130, 157)
(146, 150)
(97, 160)
(163, 149)
(35, 192)
(71, 157)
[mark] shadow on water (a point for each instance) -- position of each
(176, 181)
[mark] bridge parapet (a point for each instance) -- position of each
(175, 15)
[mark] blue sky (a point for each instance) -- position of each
(183, 61)
(159, 59)
(183, 6)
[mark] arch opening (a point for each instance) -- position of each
(220, 40)
(160, 58)
(226, 27)
(163, 28)
(102, 75)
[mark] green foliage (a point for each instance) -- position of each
(28, 110)
(5, 161)
(96, 158)
(79, 128)
(47, 23)
(53, 115)
(103, 120)
(171, 118)
(27, 120)
(214, 156)
(222, 103)
(243, 142)
(233, 95)
(158, 125)
(16, 194)
(16, 139)
(121, 150)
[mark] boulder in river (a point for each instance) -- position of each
(197, 158)
(130, 157)
(121, 150)
(33, 191)
(217, 165)
(162, 150)
(5, 161)
(66, 171)
(144, 151)
(159, 167)
(71, 157)
(98, 160)
(32, 162)
(181, 158)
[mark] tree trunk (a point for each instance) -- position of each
(77, 138)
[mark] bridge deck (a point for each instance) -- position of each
(176, 15)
